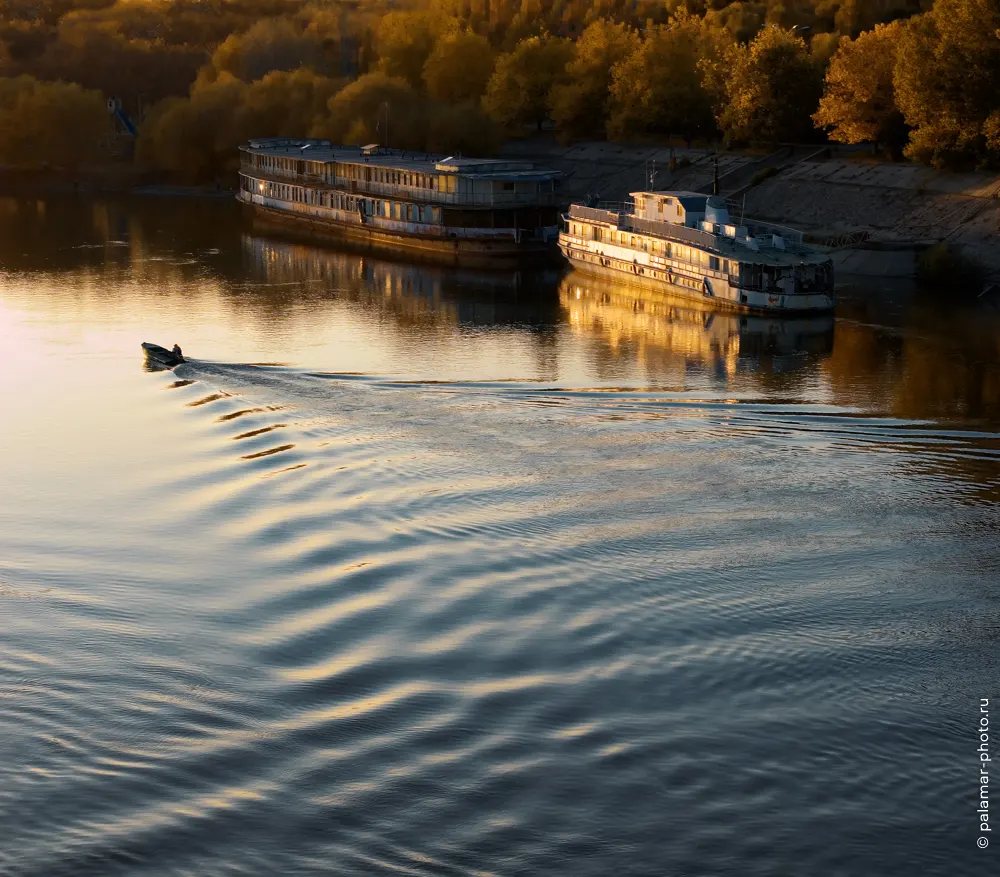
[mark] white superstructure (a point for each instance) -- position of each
(392, 198)
(687, 242)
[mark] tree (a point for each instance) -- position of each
(461, 128)
(771, 90)
(742, 20)
(945, 80)
(404, 41)
(660, 87)
(580, 105)
(31, 112)
(271, 44)
(195, 138)
(859, 103)
(459, 68)
(360, 112)
(518, 91)
(284, 104)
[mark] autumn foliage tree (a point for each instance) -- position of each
(582, 103)
(946, 75)
(772, 90)
(30, 111)
(522, 81)
(859, 103)
(458, 67)
(660, 88)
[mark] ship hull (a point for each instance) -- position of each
(446, 247)
(726, 297)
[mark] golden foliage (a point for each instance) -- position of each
(581, 105)
(945, 80)
(859, 103)
(771, 91)
(459, 67)
(660, 88)
(518, 91)
(30, 111)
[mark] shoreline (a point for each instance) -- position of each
(876, 218)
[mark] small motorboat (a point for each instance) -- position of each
(160, 357)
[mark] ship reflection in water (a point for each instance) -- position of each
(411, 292)
(669, 335)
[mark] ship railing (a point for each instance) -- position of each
(673, 231)
(459, 199)
(595, 214)
(759, 228)
(413, 193)
(617, 206)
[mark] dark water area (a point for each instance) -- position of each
(429, 571)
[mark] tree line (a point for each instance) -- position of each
(913, 77)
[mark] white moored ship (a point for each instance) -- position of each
(444, 205)
(687, 243)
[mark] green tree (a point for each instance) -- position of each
(859, 104)
(581, 105)
(518, 91)
(459, 68)
(772, 88)
(946, 75)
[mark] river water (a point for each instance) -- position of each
(423, 571)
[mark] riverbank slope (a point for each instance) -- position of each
(877, 217)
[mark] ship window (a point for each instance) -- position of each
(669, 249)
(713, 263)
(680, 211)
(633, 242)
(725, 265)
(508, 187)
(659, 206)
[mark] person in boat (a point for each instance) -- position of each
(176, 351)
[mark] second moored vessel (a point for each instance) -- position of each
(441, 205)
(686, 242)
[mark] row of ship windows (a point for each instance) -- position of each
(363, 173)
(667, 249)
(340, 201)
(392, 177)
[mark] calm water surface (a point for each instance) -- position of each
(421, 571)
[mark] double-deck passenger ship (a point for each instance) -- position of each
(687, 243)
(443, 205)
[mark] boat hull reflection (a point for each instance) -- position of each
(668, 326)
(410, 291)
